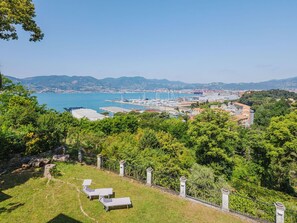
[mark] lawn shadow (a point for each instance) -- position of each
(11, 207)
(18, 177)
(61, 218)
(4, 196)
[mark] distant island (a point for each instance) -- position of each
(63, 83)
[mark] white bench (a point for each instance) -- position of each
(115, 202)
(100, 192)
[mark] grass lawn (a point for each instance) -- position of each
(27, 197)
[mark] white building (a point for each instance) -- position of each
(90, 114)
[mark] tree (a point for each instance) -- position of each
(18, 12)
(214, 137)
(204, 183)
(176, 127)
(149, 140)
(1, 82)
(281, 145)
(265, 112)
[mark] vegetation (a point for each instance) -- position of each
(211, 151)
(210, 147)
(27, 126)
(20, 12)
(268, 104)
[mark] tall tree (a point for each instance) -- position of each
(18, 12)
(281, 147)
(214, 138)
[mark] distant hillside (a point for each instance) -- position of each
(134, 83)
(56, 83)
(60, 83)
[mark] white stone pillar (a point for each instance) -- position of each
(182, 191)
(279, 212)
(149, 172)
(79, 156)
(122, 168)
(225, 199)
(99, 161)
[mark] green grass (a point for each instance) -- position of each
(27, 197)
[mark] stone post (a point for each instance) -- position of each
(225, 199)
(99, 161)
(47, 170)
(279, 212)
(182, 191)
(79, 156)
(122, 168)
(149, 172)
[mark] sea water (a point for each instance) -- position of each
(59, 101)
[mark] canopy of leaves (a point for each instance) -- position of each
(26, 126)
(257, 98)
(214, 139)
(282, 150)
(18, 12)
(204, 183)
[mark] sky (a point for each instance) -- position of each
(197, 41)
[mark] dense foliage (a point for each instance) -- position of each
(18, 12)
(26, 126)
(268, 104)
(212, 151)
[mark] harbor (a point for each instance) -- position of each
(175, 105)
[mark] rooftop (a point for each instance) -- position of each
(90, 114)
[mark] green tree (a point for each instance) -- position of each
(21, 111)
(214, 137)
(117, 124)
(11, 142)
(281, 145)
(1, 81)
(149, 140)
(152, 120)
(265, 112)
(176, 127)
(18, 12)
(205, 184)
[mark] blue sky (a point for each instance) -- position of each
(187, 40)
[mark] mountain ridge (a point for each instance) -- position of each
(64, 83)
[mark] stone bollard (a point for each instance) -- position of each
(47, 170)
(79, 156)
(149, 172)
(225, 199)
(122, 168)
(99, 161)
(182, 191)
(279, 212)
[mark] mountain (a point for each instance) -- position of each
(63, 83)
(142, 83)
(56, 83)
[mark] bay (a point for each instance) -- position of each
(59, 101)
